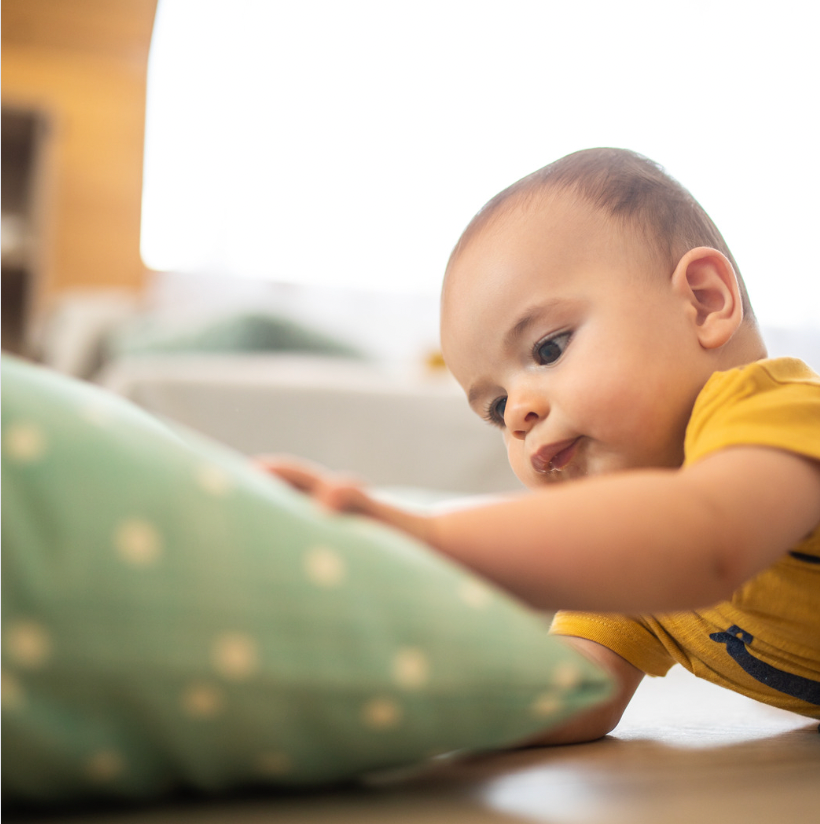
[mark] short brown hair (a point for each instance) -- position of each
(630, 188)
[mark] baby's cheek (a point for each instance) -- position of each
(614, 400)
(638, 431)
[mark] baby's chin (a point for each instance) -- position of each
(536, 480)
(575, 471)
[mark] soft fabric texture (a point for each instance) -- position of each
(765, 641)
(236, 332)
(173, 617)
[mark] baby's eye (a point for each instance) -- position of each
(495, 412)
(548, 350)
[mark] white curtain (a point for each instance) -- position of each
(349, 143)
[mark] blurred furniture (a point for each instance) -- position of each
(24, 135)
(392, 427)
(80, 68)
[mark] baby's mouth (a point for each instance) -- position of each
(554, 457)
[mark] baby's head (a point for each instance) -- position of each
(583, 310)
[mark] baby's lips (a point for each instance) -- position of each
(554, 456)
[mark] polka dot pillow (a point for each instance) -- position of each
(173, 617)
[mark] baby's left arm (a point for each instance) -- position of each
(644, 540)
(652, 540)
(341, 493)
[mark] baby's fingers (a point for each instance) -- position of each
(342, 493)
(301, 475)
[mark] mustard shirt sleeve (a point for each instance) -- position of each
(772, 403)
(631, 638)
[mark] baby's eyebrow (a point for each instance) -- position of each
(512, 337)
(520, 327)
(476, 391)
(530, 315)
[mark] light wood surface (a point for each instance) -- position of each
(82, 65)
(686, 751)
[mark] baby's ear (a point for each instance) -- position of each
(706, 280)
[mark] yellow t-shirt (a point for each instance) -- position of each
(765, 641)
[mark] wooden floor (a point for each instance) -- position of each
(685, 752)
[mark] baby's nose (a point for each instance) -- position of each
(523, 412)
(529, 421)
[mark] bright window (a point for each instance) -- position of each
(350, 142)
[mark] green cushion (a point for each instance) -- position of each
(172, 617)
(238, 332)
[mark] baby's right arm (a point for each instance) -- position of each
(602, 719)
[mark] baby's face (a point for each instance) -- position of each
(566, 333)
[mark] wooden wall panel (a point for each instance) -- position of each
(84, 63)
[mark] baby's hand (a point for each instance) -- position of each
(342, 493)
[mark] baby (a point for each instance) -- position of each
(593, 313)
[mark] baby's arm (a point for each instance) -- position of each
(344, 493)
(638, 541)
(598, 721)
(642, 541)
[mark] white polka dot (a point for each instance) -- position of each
(325, 567)
(104, 766)
(235, 656)
(25, 442)
(567, 676)
(381, 714)
(213, 479)
(475, 594)
(97, 413)
(28, 644)
(546, 704)
(411, 669)
(138, 542)
(13, 694)
(202, 701)
(273, 764)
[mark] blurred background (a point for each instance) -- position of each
(237, 212)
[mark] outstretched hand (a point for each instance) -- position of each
(342, 493)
